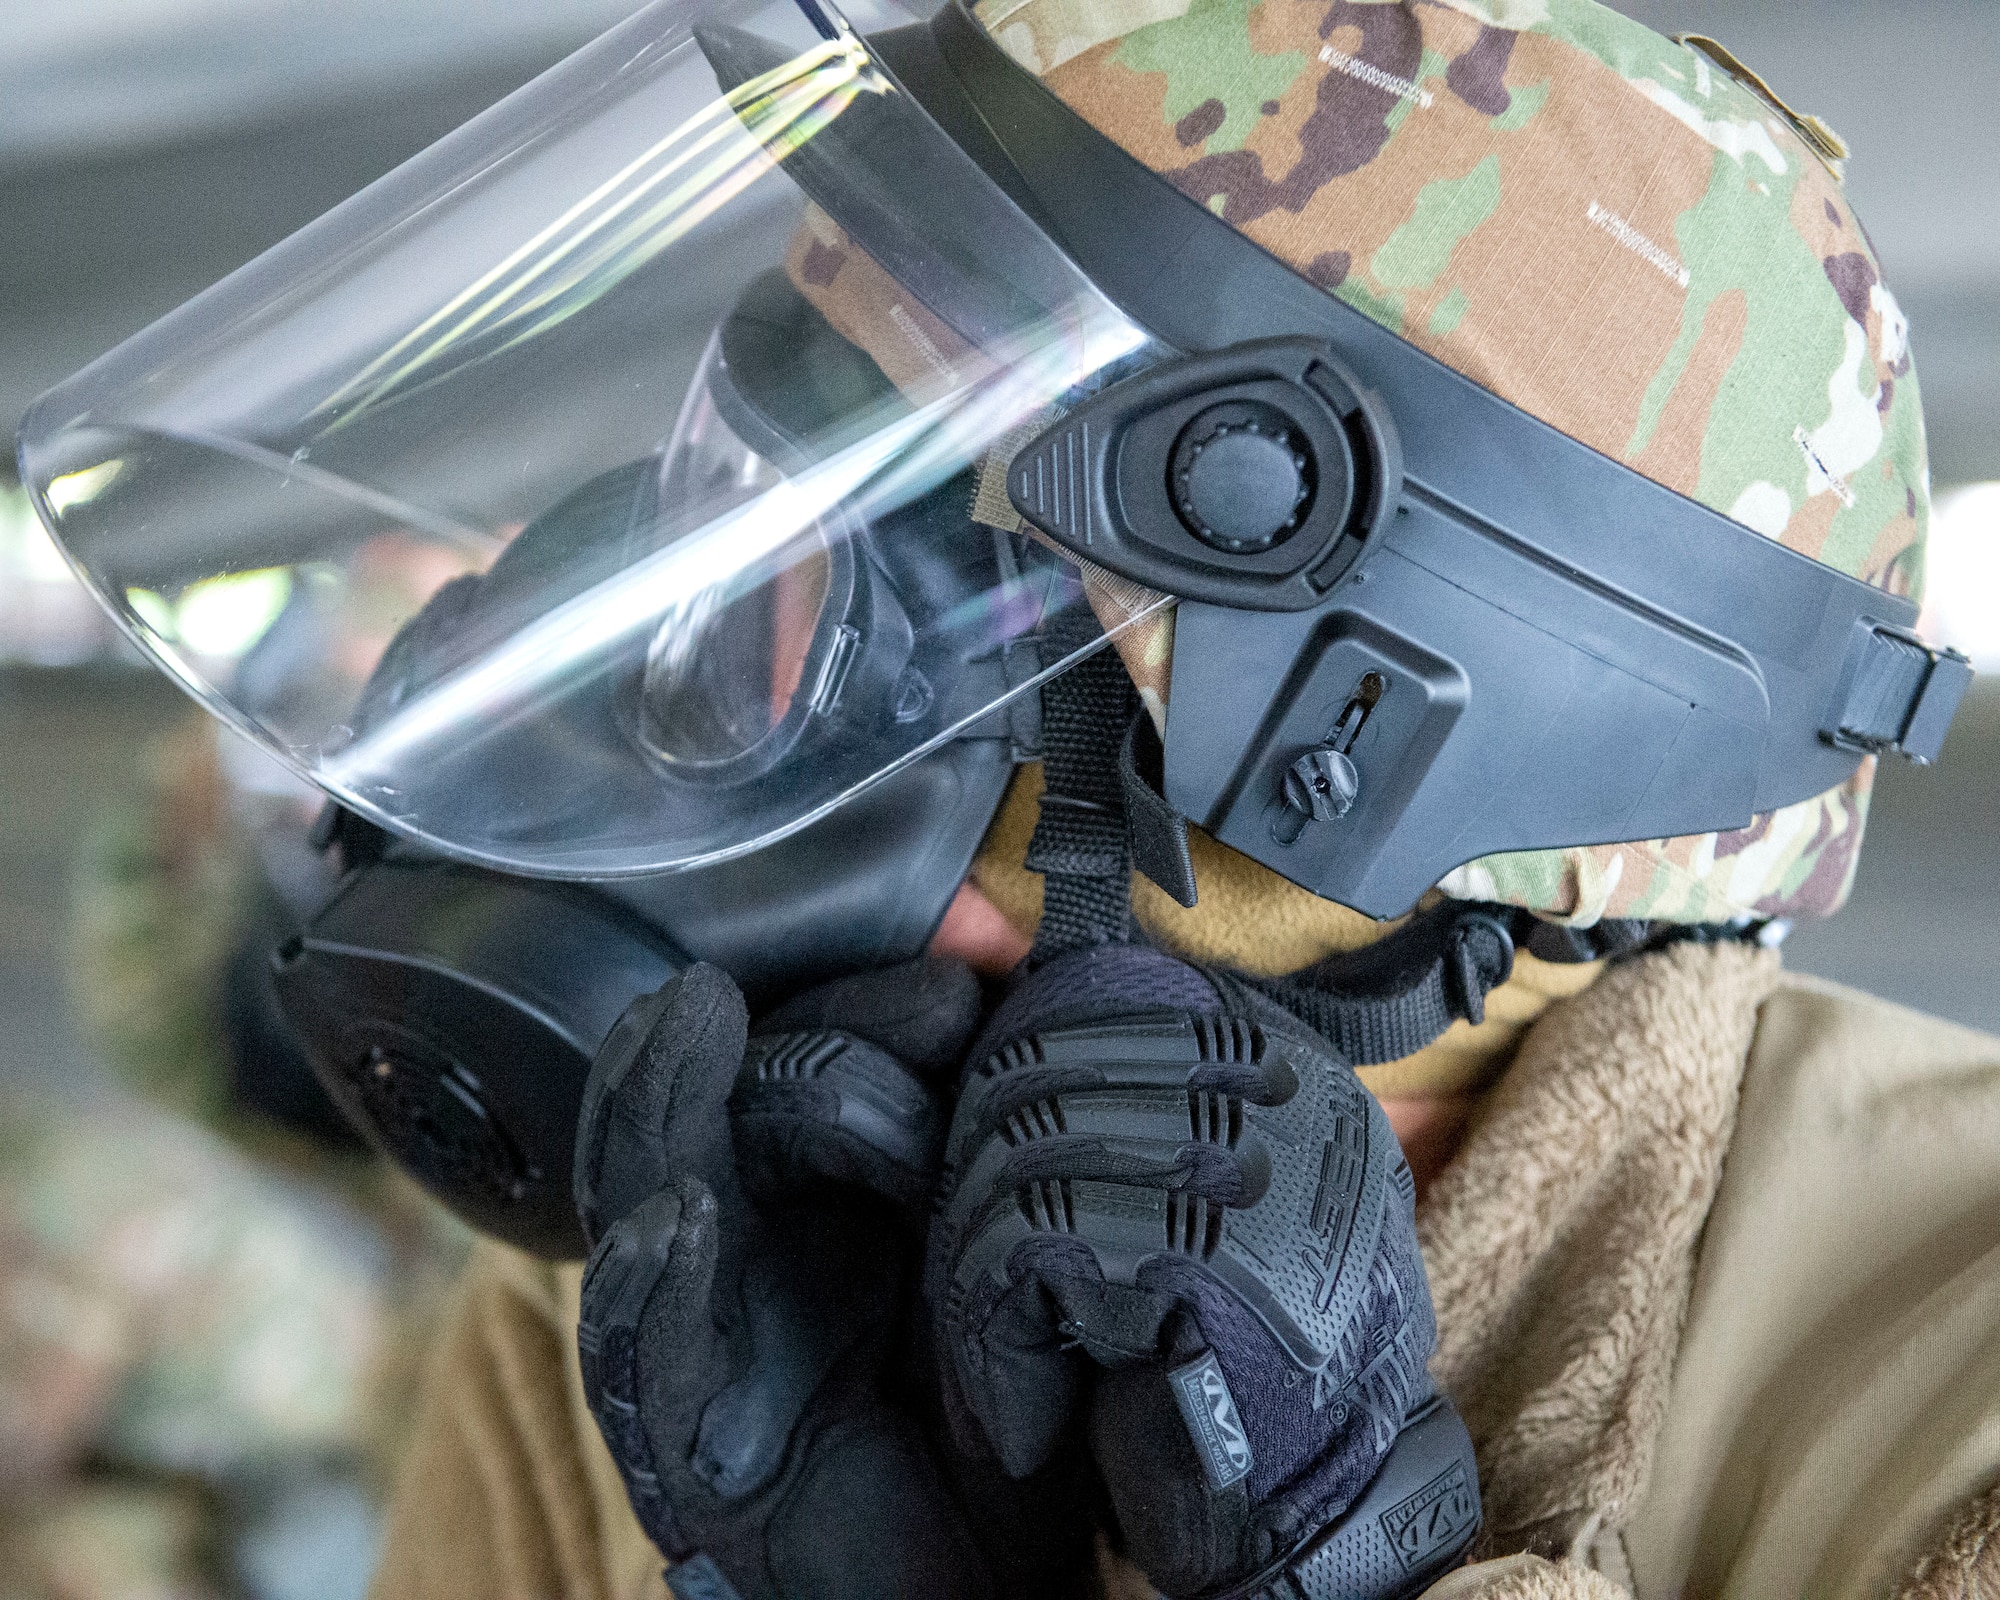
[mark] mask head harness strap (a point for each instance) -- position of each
(1080, 845)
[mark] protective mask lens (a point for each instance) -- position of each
(724, 676)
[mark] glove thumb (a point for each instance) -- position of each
(655, 1107)
(646, 1338)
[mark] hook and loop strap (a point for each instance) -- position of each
(1080, 845)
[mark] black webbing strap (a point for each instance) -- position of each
(1157, 832)
(1080, 846)
(1391, 998)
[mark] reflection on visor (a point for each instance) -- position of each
(722, 673)
(723, 668)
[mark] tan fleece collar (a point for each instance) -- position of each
(1560, 1241)
(1252, 920)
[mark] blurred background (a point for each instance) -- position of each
(211, 1305)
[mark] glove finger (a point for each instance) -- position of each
(1181, 1072)
(922, 1012)
(1173, 1519)
(811, 1109)
(647, 1290)
(655, 1104)
(1012, 1387)
(1171, 1162)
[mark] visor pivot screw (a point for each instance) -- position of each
(1242, 477)
(1322, 785)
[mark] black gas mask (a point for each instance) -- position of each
(452, 1010)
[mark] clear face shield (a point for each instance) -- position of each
(593, 495)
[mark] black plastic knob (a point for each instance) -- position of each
(1322, 785)
(1242, 477)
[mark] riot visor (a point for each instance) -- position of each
(586, 499)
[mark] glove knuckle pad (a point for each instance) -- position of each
(1314, 1172)
(837, 1078)
(802, 1099)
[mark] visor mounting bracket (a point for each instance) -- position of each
(1250, 477)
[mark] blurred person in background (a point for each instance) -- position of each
(211, 1312)
(214, 1303)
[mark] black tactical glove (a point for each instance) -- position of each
(1176, 1223)
(756, 1206)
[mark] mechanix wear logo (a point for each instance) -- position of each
(1432, 1517)
(1209, 1410)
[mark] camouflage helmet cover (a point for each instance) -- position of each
(1600, 225)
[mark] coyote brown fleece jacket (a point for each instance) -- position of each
(1717, 1271)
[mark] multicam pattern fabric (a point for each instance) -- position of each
(1798, 861)
(1601, 226)
(867, 307)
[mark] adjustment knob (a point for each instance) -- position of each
(1242, 477)
(1322, 785)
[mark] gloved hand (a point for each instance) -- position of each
(1176, 1226)
(756, 1205)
